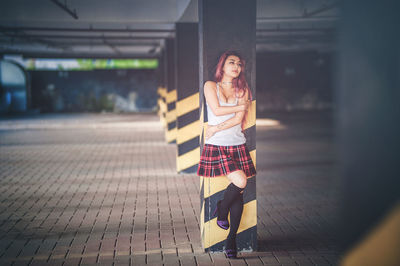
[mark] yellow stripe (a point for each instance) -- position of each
(253, 157)
(214, 185)
(204, 130)
(188, 159)
(188, 104)
(160, 92)
(188, 132)
(163, 122)
(170, 116)
(163, 105)
(213, 234)
(171, 96)
(202, 219)
(380, 246)
(163, 92)
(201, 123)
(251, 116)
(170, 135)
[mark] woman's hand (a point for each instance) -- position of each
(246, 105)
(211, 130)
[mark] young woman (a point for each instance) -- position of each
(225, 152)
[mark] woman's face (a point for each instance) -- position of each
(232, 66)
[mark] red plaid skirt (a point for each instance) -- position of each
(222, 160)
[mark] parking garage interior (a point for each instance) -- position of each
(89, 174)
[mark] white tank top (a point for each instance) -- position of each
(228, 137)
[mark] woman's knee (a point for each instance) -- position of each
(243, 182)
(239, 179)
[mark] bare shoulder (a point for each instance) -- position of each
(210, 84)
(245, 96)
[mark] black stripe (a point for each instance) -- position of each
(188, 145)
(172, 125)
(205, 112)
(202, 195)
(188, 118)
(171, 106)
(172, 141)
(250, 135)
(250, 190)
(201, 141)
(185, 93)
(244, 240)
(190, 170)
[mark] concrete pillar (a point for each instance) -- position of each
(227, 25)
(187, 106)
(170, 116)
(162, 89)
(368, 130)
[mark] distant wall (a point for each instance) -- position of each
(285, 81)
(96, 90)
(14, 89)
(294, 81)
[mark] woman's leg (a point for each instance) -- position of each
(236, 211)
(232, 192)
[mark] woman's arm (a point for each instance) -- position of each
(237, 119)
(211, 97)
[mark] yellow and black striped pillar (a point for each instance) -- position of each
(162, 89)
(170, 116)
(221, 30)
(162, 106)
(187, 106)
(188, 134)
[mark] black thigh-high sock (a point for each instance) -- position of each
(232, 192)
(236, 211)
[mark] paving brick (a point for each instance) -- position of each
(154, 258)
(187, 260)
(219, 258)
(92, 187)
(138, 260)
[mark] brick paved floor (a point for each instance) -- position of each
(102, 189)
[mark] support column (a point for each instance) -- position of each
(368, 130)
(227, 25)
(162, 89)
(170, 116)
(187, 106)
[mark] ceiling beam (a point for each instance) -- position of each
(65, 8)
(78, 55)
(80, 37)
(103, 30)
(324, 8)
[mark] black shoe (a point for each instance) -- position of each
(224, 224)
(230, 248)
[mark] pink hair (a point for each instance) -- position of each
(239, 83)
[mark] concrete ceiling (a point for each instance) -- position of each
(138, 28)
